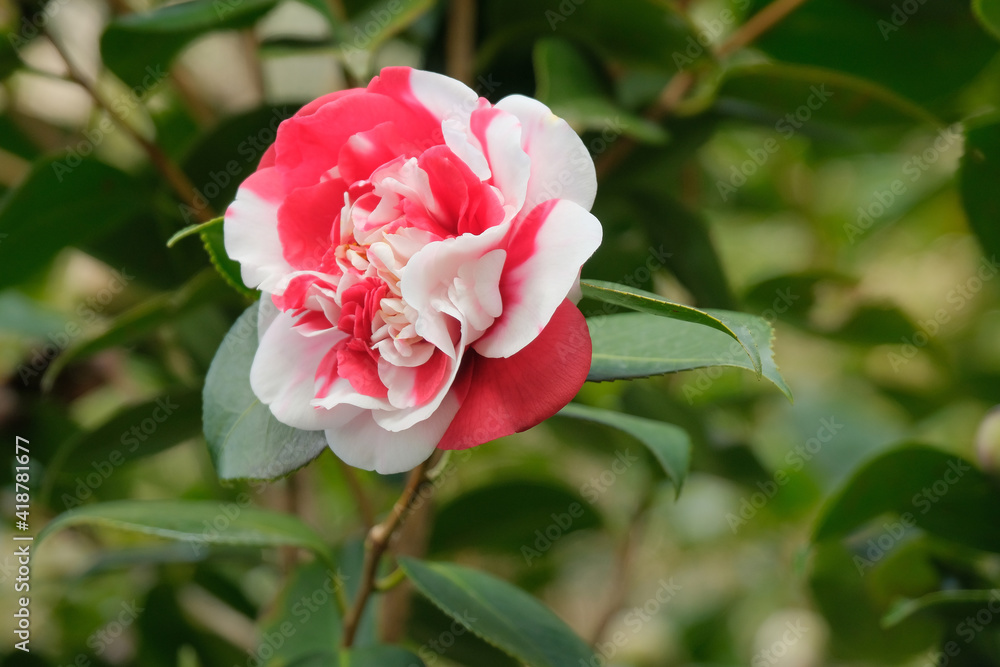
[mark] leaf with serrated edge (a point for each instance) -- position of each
(647, 302)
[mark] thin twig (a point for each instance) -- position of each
(681, 83)
(376, 545)
(758, 24)
(161, 161)
(460, 48)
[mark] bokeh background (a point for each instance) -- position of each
(829, 165)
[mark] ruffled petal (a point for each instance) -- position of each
(561, 166)
(251, 230)
(504, 396)
(544, 255)
(359, 441)
(283, 374)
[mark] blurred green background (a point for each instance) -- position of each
(833, 167)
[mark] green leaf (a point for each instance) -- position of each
(306, 612)
(199, 523)
(853, 612)
(643, 33)
(959, 603)
(379, 656)
(500, 613)
(196, 228)
(943, 494)
(977, 181)
(244, 438)
(926, 55)
(25, 317)
(140, 321)
(371, 656)
(133, 433)
(36, 223)
(640, 345)
(505, 514)
(838, 103)
(389, 23)
(140, 47)
(669, 444)
(647, 302)
(575, 90)
(988, 13)
(214, 242)
(684, 239)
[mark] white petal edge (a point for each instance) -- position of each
(568, 236)
(561, 165)
(358, 441)
(444, 97)
(250, 231)
(283, 373)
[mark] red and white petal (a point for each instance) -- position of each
(499, 136)
(504, 396)
(544, 255)
(561, 166)
(308, 146)
(358, 440)
(431, 274)
(438, 95)
(251, 230)
(283, 374)
(309, 221)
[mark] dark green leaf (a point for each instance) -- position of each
(953, 603)
(200, 523)
(503, 615)
(361, 32)
(244, 438)
(59, 205)
(213, 239)
(848, 605)
(683, 238)
(196, 228)
(647, 302)
(641, 33)
(306, 614)
(791, 297)
(988, 13)
(669, 444)
(926, 54)
(140, 47)
(836, 103)
(505, 516)
(133, 433)
(639, 345)
(941, 493)
(140, 321)
(574, 89)
(379, 656)
(977, 182)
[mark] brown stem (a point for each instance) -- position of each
(461, 46)
(677, 89)
(161, 161)
(758, 24)
(376, 545)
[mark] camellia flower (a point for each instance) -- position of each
(419, 246)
